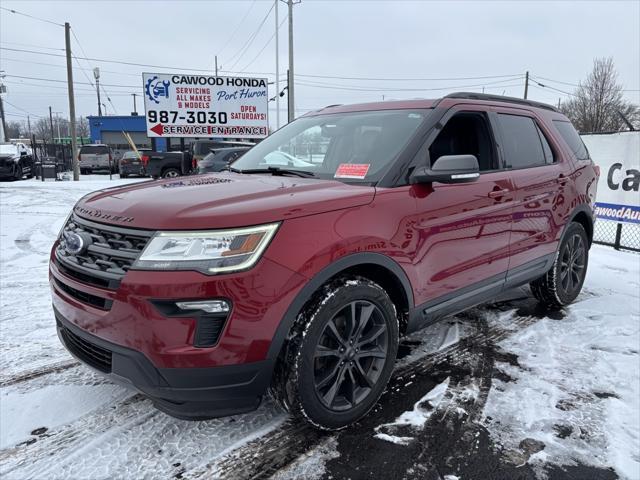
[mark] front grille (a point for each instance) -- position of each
(110, 254)
(91, 354)
(84, 297)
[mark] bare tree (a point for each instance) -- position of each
(41, 129)
(15, 130)
(598, 105)
(82, 127)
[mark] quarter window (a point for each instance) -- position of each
(569, 134)
(521, 141)
(548, 153)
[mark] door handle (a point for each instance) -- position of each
(562, 180)
(498, 193)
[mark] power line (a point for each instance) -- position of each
(552, 88)
(251, 39)
(31, 45)
(403, 89)
(408, 79)
(75, 83)
(22, 109)
(32, 16)
(265, 45)
(103, 60)
(237, 28)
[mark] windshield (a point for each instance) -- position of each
(10, 149)
(356, 146)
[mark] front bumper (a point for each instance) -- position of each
(158, 353)
(188, 393)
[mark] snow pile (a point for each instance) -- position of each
(415, 418)
(577, 386)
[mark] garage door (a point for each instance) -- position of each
(117, 138)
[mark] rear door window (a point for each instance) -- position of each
(569, 135)
(100, 150)
(521, 141)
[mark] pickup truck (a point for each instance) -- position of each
(167, 164)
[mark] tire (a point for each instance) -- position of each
(328, 373)
(18, 173)
(170, 173)
(562, 283)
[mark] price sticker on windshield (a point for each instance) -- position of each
(352, 170)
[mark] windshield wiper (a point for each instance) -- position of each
(275, 171)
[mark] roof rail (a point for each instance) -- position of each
(500, 98)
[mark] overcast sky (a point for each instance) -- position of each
(375, 39)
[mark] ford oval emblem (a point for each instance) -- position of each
(73, 243)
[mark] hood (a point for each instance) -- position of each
(219, 201)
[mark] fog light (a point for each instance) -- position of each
(208, 306)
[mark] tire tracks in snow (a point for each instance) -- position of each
(28, 456)
(38, 372)
(265, 456)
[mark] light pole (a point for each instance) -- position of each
(58, 124)
(96, 75)
(105, 109)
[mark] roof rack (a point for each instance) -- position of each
(500, 98)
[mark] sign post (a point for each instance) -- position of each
(180, 105)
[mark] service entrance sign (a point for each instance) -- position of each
(181, 105)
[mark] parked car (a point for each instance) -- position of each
(166, 164)
(96, 157)
(16, 161)
(201, 148)
(206, 292)
(219, 159)
(131, 163)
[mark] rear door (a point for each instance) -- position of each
(463, 229)
(540, 178)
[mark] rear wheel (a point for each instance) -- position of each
(341, 355)
(563, 282)
(170, 173)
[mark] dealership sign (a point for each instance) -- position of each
(618, 156)
(179, 105)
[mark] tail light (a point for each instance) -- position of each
(110, 158)
(194, 163)
(145, 160)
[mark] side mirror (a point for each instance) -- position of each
(449, 169)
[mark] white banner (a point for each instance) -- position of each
(182, 105)
(618, 155)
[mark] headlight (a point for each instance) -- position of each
(216, 251)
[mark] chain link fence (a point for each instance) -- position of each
(625, 236)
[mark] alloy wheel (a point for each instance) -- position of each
(572, 264)
(350, 355)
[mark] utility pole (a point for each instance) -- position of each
(96, 75)
(3, 130)
(216, 61)
(5, 135)
(135, 110)
(72, 105)
(559, 99)
(290, 75)
(51, 122)
(29, 125)
(277, 68)
(526, 84)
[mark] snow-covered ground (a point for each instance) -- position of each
(567, 384)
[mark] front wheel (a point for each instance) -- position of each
(340, 356)
(562, 283)
(18, 174)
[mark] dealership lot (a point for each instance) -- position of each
(506, 389)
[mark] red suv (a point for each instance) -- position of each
(297, 271)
